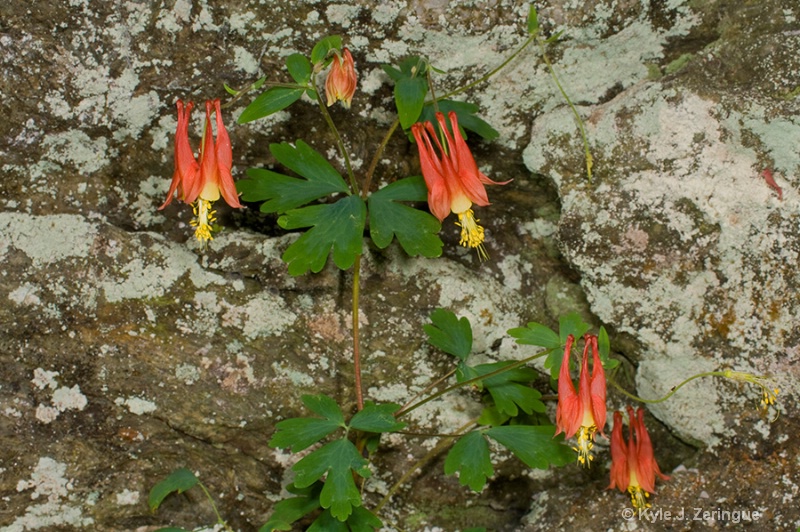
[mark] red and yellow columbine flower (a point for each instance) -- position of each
(453, 178)
(341, 82)
(582, 412)
(633, 466)
(201, 184)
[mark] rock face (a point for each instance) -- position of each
(128, 352)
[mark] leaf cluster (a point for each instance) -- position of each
(508, 394)
(325, 478)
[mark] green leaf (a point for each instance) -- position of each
(533, 20)
(336, 459)
(321, 49)
(282, 192)
(302, 432)
(377, 418)
(229, 90)
(325, 522)
(507, 388)
(534, 445)
(416, 230)
(339, 226)
(536, 334)
(604, 348)
(270, 101)
(449, 333)
(409, 96)
(325, 407)
(491, 416)
(467, 119)
(305, 161)
(287, 511)
(470, 458)
(573, 324)
(178, 481)
(299, 68)
(362, 520)
(410, 88)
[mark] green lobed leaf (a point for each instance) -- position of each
(573, 324)
(470, 458)
(299, 68)
(491, 416)
(270, 101)
(467, 119)
(533, 20)
(362, 520)
(339, 226)
(281, 192)
(510, 390)
(178, 481)
(536, 334)
(534, 445)
(287, 511)
(324, 406)
(302, 432)
(305, 161)
(336, 459)
(320, 51)
(449, 333)
(416, 230)
(325, 522)
(377, 418)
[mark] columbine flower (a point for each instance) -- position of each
(453, 178)
(769, 393)
(633, 466)
(341, 82)
(583, 412)
(202, 184)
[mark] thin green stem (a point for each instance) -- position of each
(429, 456)
(672, 391)
(491, 73)
(220, 520)
(376, 158)
(428, 388)
(589, 160)
(518, 363)
(339, 141)
(356, 350)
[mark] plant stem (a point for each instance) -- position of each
(588, 153)
(492, 72)
(220, 520)
(376, 158)
(339, 142)
(356, 351)
(406, 409)
(428, 388)
(672, 391)
(430, 455)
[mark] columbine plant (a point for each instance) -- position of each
(338, 210)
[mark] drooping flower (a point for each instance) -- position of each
(341, 82)
(582, 412)
(201, 184)
(633, 466)
(453, 179)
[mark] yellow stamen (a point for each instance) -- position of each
(638, 497)
(585, 444)
(204, 217)
(471, 233)
(769, 394)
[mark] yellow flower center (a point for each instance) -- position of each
(638, 497)
(585, 444)
(471, 233)
(204, 217)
